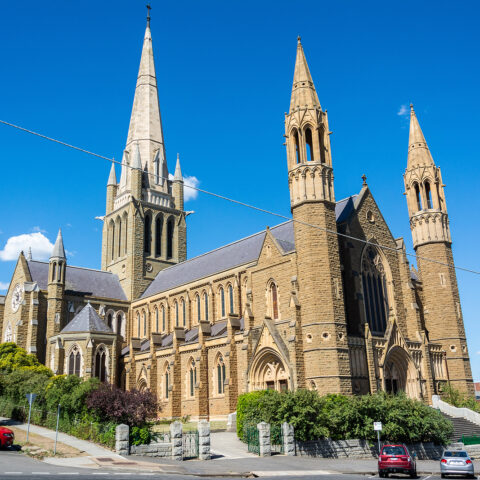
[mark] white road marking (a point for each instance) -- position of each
(285, 473)
(100, 473)
(13, 473)
(40, 473)
(67, 473)
(425, 478)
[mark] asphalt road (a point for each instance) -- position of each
(14, 464)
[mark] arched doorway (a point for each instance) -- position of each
(268, 372)
(400, 373)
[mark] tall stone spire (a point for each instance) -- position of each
(145, 121)
(178, 170)
(418, 152)
(303, 89)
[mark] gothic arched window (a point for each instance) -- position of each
(119, 234)
(418, 198)
(156, 320)
(54, 271)
(125, 233)
(170, 231)
(120, 327)
(321, 145)
(144, 323)
(163, 318)
(112, 230)
(273, 300)
(222, 302)
(74, 360)
(176, 314)
(220, 375)
(147, 234)
(428, 194)
(375, 294)
(205, 304)
(296, 145)
(191, 377)
(158, 235)
(109, 320)
(184, 313)
(166, 381)
(309, 143)
(101, 363)
(230, 298)
(199, 307)
(138, 324)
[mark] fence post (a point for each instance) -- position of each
(177, 440)
(122, 439)
(288, 435)
(204, 440)
(264, 439)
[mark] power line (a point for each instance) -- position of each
(247, 205)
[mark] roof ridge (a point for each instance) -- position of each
(223, 246)
(74, 266)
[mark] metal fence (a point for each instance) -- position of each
(190, 445)
(250, 437)
(276, 439)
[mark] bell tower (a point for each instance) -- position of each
(144, 229)
(312, 200)
(427, 209)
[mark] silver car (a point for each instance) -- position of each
(456, 462)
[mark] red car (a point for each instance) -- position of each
(6, 437)
(396, 459)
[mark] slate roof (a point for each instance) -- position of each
(233, 255)
(83, 281)
(87, 320)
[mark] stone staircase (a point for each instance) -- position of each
(462, 426)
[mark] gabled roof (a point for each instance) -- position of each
(80, 281)
(87, 320)
(241, 252)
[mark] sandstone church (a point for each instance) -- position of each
(326, 301)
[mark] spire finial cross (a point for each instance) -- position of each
(148, 14)
(364, 178)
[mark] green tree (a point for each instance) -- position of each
(13, 357)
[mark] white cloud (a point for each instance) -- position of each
(403, 111)
(38, 242)
(478, 353)
(188, 193)
(3, 286)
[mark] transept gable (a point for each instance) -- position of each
(270, 250)
(21, 274)
(395, 338)
(270, 339)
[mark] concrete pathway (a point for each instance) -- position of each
(226, 445)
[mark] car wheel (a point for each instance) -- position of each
(413, 474)
(443, 475)
(381, 474)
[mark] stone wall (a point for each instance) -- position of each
(327, 448)
(154, 449)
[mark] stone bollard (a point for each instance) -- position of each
(288, 434)
(176, 440)
(122, 439)
(264, 439)
(232, 422)
(204, 440)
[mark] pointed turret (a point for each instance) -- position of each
(145, 122)
(112, 178)
(418, 152)
(303, 89)
(177, 187)
(178, 171)
(58, 250)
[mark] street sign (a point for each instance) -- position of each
(31, 397)
(377, 426)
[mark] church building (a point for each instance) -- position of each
(326, 301)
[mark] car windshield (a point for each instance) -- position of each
(455, 454)
(393, 451)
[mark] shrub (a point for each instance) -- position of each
(341, 417)
(13, 358)
(131, 407)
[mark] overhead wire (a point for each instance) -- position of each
(244, 204)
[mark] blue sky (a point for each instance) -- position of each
(224, 71)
